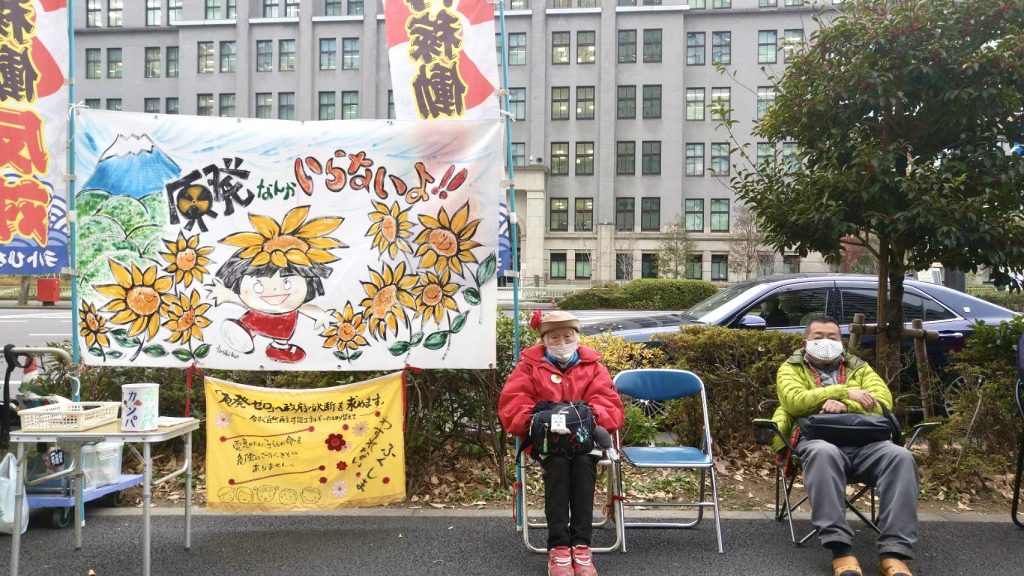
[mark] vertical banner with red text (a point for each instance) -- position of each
(443, 62)
(33, 136)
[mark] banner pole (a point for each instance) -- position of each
(72, 215)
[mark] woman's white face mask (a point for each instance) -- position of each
(824, 350)
(562, 352)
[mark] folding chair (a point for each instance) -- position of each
(784, 482)
(659, 385)
(521, 511)
(1015, 513)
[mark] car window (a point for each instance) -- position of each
(865, 301)
(935, 311)
(791, 308)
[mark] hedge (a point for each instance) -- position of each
(641, 294)
(1012, 300)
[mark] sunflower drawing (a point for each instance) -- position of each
(387, 296)
(433, 293)
(186, 259)
(446, 243)
(347, 334)
(294, 240)
(92, 326)
(185, 317)
(135, 297)
(391, 229)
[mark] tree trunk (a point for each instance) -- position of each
(890, 313)
(26, 283)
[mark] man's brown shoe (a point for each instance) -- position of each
(893, 567)
(846, 566)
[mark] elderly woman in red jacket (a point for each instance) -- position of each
(560, 370)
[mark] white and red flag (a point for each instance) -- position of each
(443, 61)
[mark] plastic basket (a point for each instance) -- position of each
(68, 416)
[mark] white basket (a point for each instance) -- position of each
(68, 416)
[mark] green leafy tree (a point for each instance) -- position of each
(675, 250)
(903, 114)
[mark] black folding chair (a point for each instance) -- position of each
(1015, 513)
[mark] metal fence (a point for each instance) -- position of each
(13, 292)
(539, 293)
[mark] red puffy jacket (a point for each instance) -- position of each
(535, 379)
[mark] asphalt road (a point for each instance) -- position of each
(386, 542)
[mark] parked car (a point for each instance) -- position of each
(788, 302)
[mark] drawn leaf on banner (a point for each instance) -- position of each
(355, 355)
(122, 339)
(472, 296)
(114, 354)
(203, 351)
(96, 351)
(417, 337)
(399, 348)
(486, 270)
(155, 351)
(182, 354)
(459, 322)
(436, 340)
(340, 355)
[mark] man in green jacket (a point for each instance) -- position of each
(821, 379)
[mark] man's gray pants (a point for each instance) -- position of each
(890, 468)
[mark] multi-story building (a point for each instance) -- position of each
(616, 136)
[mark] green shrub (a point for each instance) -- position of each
(1012, 300)
(639, 429)
(665, 294)
(597, 298)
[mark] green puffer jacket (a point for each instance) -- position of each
(799, 397)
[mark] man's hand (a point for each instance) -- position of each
(862, 397)
(833, 407)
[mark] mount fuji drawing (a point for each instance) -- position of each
(132, 166)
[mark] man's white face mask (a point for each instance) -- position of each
(562, 352)
(824, 350)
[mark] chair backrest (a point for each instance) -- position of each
(658, 384)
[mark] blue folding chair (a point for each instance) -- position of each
(1015, 513)
(659, 385)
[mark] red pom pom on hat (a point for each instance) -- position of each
(535, 319)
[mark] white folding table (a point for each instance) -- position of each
(72, 443)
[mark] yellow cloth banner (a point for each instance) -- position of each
(270, 449)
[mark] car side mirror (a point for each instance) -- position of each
(753, 322)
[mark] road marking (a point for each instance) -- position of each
(12, 321)
(58, 334)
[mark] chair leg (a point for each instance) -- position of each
(874, 512)
(620, 505)
(718, 519)
(1015, 509)
(787, 485)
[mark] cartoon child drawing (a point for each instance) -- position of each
(275, 274)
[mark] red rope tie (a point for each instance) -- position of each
(188, 387)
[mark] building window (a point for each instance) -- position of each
(171, 105)
(626, 107)
(286, 105)
(721, 3)
(694, 103)
(584, 158)
(559, 47)
(792, 43)
(693, 215)
(583, 266)
(151, 105)
(652, 101)
(227, 105)
(115, 64)
(767, 46)
(766, 264)
(765, 157)
(791, 264)
(355, 7)
(623, 265)
(650, 214)
(173, 15)
(270, 9)
(518, 154)
(721, 48)
(264, 104)
(560, 103)
(625, 158)
(264, 55)
(93, 14)
(172, 61)
(497, 48)
(562, 4)
(651, 161)
(584, 102)
(153, 59)
(350, 53)
(695, 267)
(768, 3)
(719, 268)
(204, 104)
(584, 217)
(695, 42)
(721, 103)
(648, 265)
(720, 158)
(695, 159)
(332, 7)
(391, 104)
(327, 103)
(652, 45)
(115, 104)
(232, 11)
(720, 215)
(154, 9)
(286, 55)
(328, 53)
(789, 160)
(115, 17)
(93, 103)
(349, 105)
(558, 215)
(228, 56)
(212, 10)
(627, 47)
(587, 3)
(586, 47)
(93, 62)
(520, 5)
(517, 49)
(291, 8)
(204, 58)
(765, 100)
(624, 212)
(517, 103)
(792, 3)
(560, 158)
(558, 265)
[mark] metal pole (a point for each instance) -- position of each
(72, 219)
